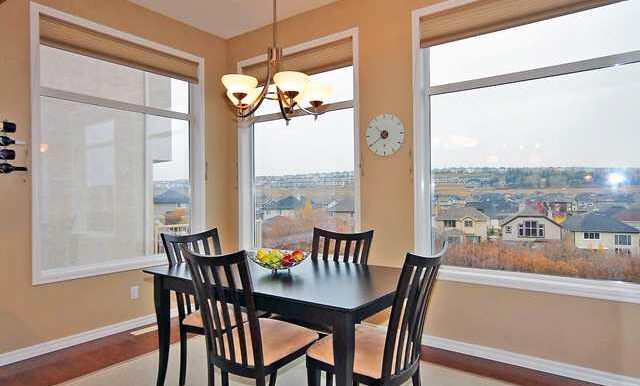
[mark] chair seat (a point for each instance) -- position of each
(368, 354)
(279, 339)
(194, 319)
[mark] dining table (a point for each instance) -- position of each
(327, 292)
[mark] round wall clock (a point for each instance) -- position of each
(385, 134)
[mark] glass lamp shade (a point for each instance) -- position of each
(317, 93)
(239, 84)
(291, 81)
(250, 99)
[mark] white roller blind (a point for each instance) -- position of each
(61, 34)
(486, 16)
(318, 59)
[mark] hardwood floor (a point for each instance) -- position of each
(73, 362)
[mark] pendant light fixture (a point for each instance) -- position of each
(293, 90)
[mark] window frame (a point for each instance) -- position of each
(423, 230)
(246, 168)
(195, 117)
(626, 237)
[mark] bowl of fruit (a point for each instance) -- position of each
(276, 259)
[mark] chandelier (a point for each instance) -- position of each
(295, 92)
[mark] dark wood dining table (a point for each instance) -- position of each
(323, 292)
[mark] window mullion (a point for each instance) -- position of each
(538, 73)
(110, 103)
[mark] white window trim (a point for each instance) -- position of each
(246, 188)
(596, 289)
(196, 146)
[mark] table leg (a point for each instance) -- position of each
(343, 349)
(163, 317)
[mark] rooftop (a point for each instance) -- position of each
(460, 212)
(597, 222)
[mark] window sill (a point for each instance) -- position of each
(83, 271)
(588, 288)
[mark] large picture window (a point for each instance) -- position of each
(113, 167)
(304, 171)
(538, 141)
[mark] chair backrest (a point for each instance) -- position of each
(225, 281)
(404, 334)
(347, 247)
(197, 242)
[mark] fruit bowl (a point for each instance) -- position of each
(277, 259)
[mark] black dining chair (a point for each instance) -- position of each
(346, 247)
(189, 318)
(391, 358)
(255, 349)
(340, 247)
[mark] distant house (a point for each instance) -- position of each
(530, 225)
(283, 207)
(444, 202)
(463, 224)
(342, 210)
(599, 231)
(629, 216)
(166, 202)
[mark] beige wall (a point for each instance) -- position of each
(28, 314)
(592, 333)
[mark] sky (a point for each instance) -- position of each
(588, 119)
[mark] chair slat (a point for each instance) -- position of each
(336, 251)
(325, 250)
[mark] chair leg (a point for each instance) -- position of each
(272, 378)
(183, 356)
(313, 375)
(329, 379)
(260, 381)
(225, 378)
(211, 372)
(416, 377)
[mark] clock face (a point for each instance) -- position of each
(385, 134)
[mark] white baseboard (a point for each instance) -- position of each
(72, 340)
(530, 362)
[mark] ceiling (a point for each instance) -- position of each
(229, 18)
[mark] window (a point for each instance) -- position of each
(468, 223)
(520, 130)
(449, 223)
(623, 240)
(304, 171)
(531, 229)
(113, 169)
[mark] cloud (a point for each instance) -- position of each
(454, 142)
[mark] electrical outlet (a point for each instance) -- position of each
(134, 292)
